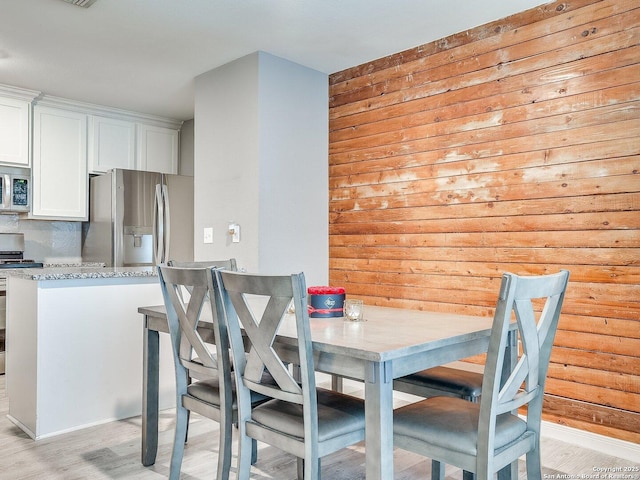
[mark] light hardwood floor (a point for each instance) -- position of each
(112, 451)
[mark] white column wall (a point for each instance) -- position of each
(294, 188)
(226, 161)
(261, 160)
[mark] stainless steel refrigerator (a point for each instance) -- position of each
(138, 218)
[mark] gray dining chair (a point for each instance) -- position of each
(212, 394)
(484, 437)
(229, 264)
(301, 419)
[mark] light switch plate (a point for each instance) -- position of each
(208, 235)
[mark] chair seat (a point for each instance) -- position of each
(338, 414)
(452, 423)
(459, 382)
(206, 390)
(209, 391)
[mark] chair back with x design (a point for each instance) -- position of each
(299, 418)
(277, 293)
(537, 325)
(490, 436)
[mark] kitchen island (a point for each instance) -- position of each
(74, 347)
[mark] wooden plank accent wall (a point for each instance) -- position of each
(515, 147)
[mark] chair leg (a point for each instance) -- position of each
(301, 469)
(437, 470)
(254, 451)
(469, 475)
(224, 454)
(510, 472)
(245, 452)
(534, 468)
(186, 433)
(178, 442)
(337, 383)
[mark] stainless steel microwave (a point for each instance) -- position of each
(15, 190)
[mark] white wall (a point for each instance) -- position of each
(261, 160)
(294, 171)
(226, 160)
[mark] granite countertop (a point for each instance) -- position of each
(66, 264)
(80, 272)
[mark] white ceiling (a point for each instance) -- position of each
(143, 55)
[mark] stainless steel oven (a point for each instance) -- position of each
(11, 256)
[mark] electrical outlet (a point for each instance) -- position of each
(234, 231)
(208, 235)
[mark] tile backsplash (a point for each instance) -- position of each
(46, 241)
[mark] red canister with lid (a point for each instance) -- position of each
(324, 302)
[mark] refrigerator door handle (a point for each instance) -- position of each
(167, 222)
(158, 226)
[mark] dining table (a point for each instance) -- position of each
(389, 343)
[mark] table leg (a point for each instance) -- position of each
(337, 384)
(378, 399)
(150, 382)
(509, 472)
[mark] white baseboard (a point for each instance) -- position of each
(593, 441)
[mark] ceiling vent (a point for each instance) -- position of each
(81, 3)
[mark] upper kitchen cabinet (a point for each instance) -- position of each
(157, 148)
(60, 175)
(15, 114)
(119, 139)
(112, 144)
(65, 140)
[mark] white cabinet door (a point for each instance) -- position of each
(60, 176)
(157, 149)
(14, 132)
(112, 144)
